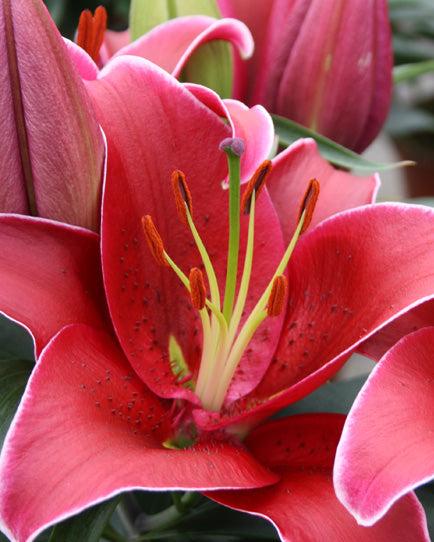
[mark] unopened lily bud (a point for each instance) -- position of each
(277, 297)
(308, 204)
(233, 145)
(197, 288)
(51, 147)
(153, 238)
(325, 64)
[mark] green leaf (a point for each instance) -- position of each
(212, 522)
(426, 497)
(15, 341)
(14, 374)
(407, 72)
(289, 131)
(87, 526)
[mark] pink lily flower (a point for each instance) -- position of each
(382, 457)
(169, 45)
(52, 150)
(325, 65)
(124, 398)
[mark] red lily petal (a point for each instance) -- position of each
(52, 150)
(381, 342)
(171, 44)
(83, 62)
(49, 276)
(113, 42)
(302, 505)
(165, 128)
(87, 429)
(388, 440)
(253, 125)
(289, 178)
(349, 277)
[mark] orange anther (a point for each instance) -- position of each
(256, 184)
(197, 288)
(277, 297)
(182, 195)
(153, 238)
(308, 204)
(91, 30)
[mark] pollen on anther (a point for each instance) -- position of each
(197, 288)
(308, 204)
(277, 297)
(183, 199)
(153, 238)
(256, 183)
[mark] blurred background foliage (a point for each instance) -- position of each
(67, 12)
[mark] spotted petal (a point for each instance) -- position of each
(302, 505)
(419, 317)
(388, 440)
(87, 429)
(350, 276)
(339, 190)
(154, 125)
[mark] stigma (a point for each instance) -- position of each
(225, 337)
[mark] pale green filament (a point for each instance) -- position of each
(252, 323)
(234, 234)
(212, 279)
(223, 342)
(209, 341)
(225, 345)
(247, 271)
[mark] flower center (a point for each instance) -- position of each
(224, 338)
(91, 30)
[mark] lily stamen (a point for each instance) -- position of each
(278, 295)
(153, 238)
(182, 195)
(223, 342)
(91, 30)
(197, 289)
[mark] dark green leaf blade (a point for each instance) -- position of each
(14, 374)
(407, 72)
(87, 526)
(289, 131)
(15, 341)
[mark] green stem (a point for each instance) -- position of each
(234, 233)
(110, 534)
(170, 516)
